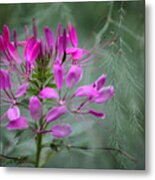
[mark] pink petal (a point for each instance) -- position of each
(31, 50)
(48, 93)
(73, 35)
(99, 83)
(6, 35)
(15, 38)
(14, 53)
(86, 91)
(74, 75)
(55, 113)
(58, 75)
(5, 81)
(35, 108)
(58, 34)
(71, 50)
(1, 44)
(22, 90)
(20, 123)
(97, 114)
(61, 131)
(78, 54)
(105, 94)
(49, 38)
(13, 113)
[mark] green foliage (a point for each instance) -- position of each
(116, 32)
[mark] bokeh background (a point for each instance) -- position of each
(116, 32)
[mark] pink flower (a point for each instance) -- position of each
(55, 113)
(74, 75)
(35, 108)
(48, 93)
(61, 131)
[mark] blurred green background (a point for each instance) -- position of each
(116, 31)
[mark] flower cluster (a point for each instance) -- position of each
(30, 60)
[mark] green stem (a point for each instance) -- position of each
(39, 149)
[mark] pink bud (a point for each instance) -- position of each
(35, 108)
(48, 93)
(13, 113)
(55, 113)
(61, 131)
(74, 75)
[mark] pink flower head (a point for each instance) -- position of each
(19, 123)
(32, 49)
(22, 90)
(73, 35)
(61, 131)
(55, 113)
(58, 74)
(74, 75)
(13, 113)
(48, 93)
(5, 81)
(35, 108)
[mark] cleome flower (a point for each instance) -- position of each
(47, 68)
